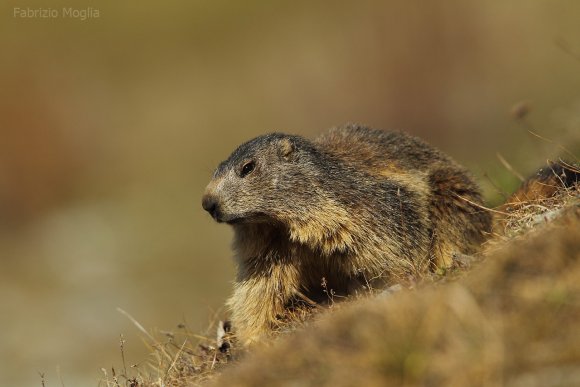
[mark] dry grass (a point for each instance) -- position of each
(178, 358)
(512, 320)
(545, 202)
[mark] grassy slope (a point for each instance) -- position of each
(513, 320)
(509, 320)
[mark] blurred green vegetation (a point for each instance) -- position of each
(111, 127)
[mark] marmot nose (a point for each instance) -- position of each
(209, 203)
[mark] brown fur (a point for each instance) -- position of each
(544, 184)
(537, 192)
(356, 207)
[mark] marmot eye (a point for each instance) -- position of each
(247, 168)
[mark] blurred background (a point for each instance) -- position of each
(110, 128)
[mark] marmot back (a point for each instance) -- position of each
(355, 207)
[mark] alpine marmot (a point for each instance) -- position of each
(355, 207)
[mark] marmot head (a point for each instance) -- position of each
(262, 180)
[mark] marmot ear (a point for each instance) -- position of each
(285, 148)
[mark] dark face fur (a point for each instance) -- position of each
(252, 184)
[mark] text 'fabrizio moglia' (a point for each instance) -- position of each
(56, 13)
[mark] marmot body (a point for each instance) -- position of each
(356, 207)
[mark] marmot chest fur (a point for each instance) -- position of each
(356, 207)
